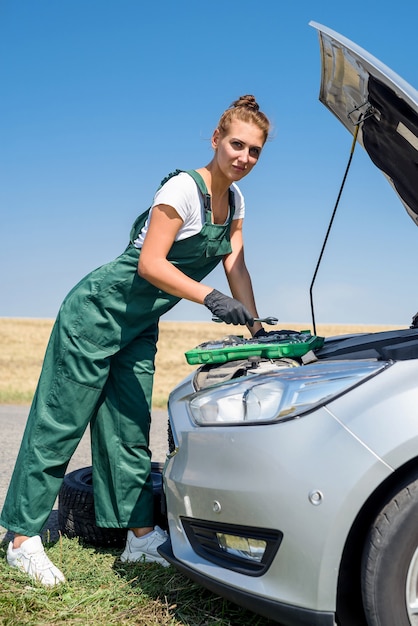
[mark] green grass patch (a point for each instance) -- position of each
(102, 591)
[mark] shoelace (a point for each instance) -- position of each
(40, 560)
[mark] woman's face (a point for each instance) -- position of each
(237, 151)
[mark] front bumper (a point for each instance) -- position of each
(306, 478)
(285, 614)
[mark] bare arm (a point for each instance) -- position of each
(164, 224)
(237, 274)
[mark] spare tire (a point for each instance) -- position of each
(76, 517)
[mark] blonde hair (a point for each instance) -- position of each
(245, 109)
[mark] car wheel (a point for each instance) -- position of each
(76, 517)
(390, 562)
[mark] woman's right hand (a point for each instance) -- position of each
(228, 309)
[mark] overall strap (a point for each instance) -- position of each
(199, 182)
(206, 197)
(141, 219)
(170, 175)
(202, 187)
(139, 222)
(231, 201)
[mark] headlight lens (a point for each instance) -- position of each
(277, 396)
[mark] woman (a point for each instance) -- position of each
(99, 364)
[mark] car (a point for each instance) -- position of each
(291, 483)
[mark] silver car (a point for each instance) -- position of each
(292, 480)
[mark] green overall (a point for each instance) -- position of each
(98, 370)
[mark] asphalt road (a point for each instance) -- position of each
(12, 425)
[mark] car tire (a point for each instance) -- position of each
(76, 517)
(390, 561)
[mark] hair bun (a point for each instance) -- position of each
(247, 101)
(245, 109)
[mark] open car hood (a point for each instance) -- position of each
(361, 91)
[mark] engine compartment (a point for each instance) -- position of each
(394, 345)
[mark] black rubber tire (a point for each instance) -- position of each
(76, 517)
(388, 552)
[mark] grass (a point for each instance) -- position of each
(23, 343)
(102, 591)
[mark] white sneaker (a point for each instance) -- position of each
(145, 548)
(32, 559)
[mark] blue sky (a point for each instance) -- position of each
(101, 98)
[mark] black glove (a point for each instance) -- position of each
(260, 333)
(227, 309)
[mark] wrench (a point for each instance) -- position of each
(266, 320)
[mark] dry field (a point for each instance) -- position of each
(23, 343)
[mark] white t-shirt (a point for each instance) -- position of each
(182, 193)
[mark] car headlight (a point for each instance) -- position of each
(278, 396)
